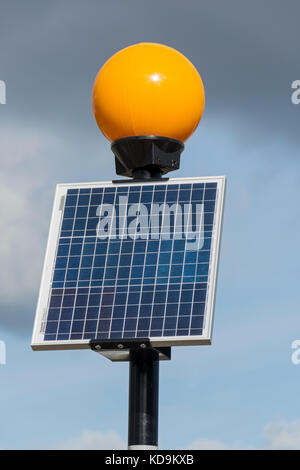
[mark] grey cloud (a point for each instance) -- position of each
(31, 165)
(245, 52)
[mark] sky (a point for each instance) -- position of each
(242, 391)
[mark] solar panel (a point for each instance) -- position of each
(129, 260)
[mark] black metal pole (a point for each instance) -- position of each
(143, 399)
(143, 378)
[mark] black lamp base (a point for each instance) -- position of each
(146, 156)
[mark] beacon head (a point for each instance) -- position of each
(148, 89)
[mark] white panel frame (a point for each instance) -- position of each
(38, 342)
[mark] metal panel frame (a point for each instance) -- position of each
(38, 342)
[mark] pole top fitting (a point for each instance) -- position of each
(147, 156)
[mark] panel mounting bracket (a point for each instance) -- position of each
(120, 351)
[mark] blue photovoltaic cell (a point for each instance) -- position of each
(123, 270)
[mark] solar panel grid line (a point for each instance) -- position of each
(155, 275)
(76, 210)
(174, 264)
(130, 276)
(193, 210)
(127, 317)
(102, 290)
(94, 292)
(142, 290)
(168, 266)
(128, 265)
(124, 331)
(78, 239)
(108, 291)
(58, 304)
(153, 290)
(208, 277)
(139, 310)
(177, 313)
(105, 266)
(167, 293)
(61, 209)
(90, 288)
(77, 207)
(193, 295)
(112, 290)
(64, 291)
(184, 259)
(128, 287)
(156, 265)
(209, 263)
(80, 265)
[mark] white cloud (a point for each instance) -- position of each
(206, 444)
(277, 435)
(92, 440)
(210, 444)
(25, 186)
(283, 435)
(32, 162)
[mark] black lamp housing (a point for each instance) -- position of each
(146, 156)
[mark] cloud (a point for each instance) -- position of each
(246, 65)
(25, 194)
(206, 444)
(210, 444)
(93, 440)
(277, 435)
(33, 160)
(284, 435)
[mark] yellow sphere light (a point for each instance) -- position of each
(148, 89)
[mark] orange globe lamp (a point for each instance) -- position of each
(147, 100)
